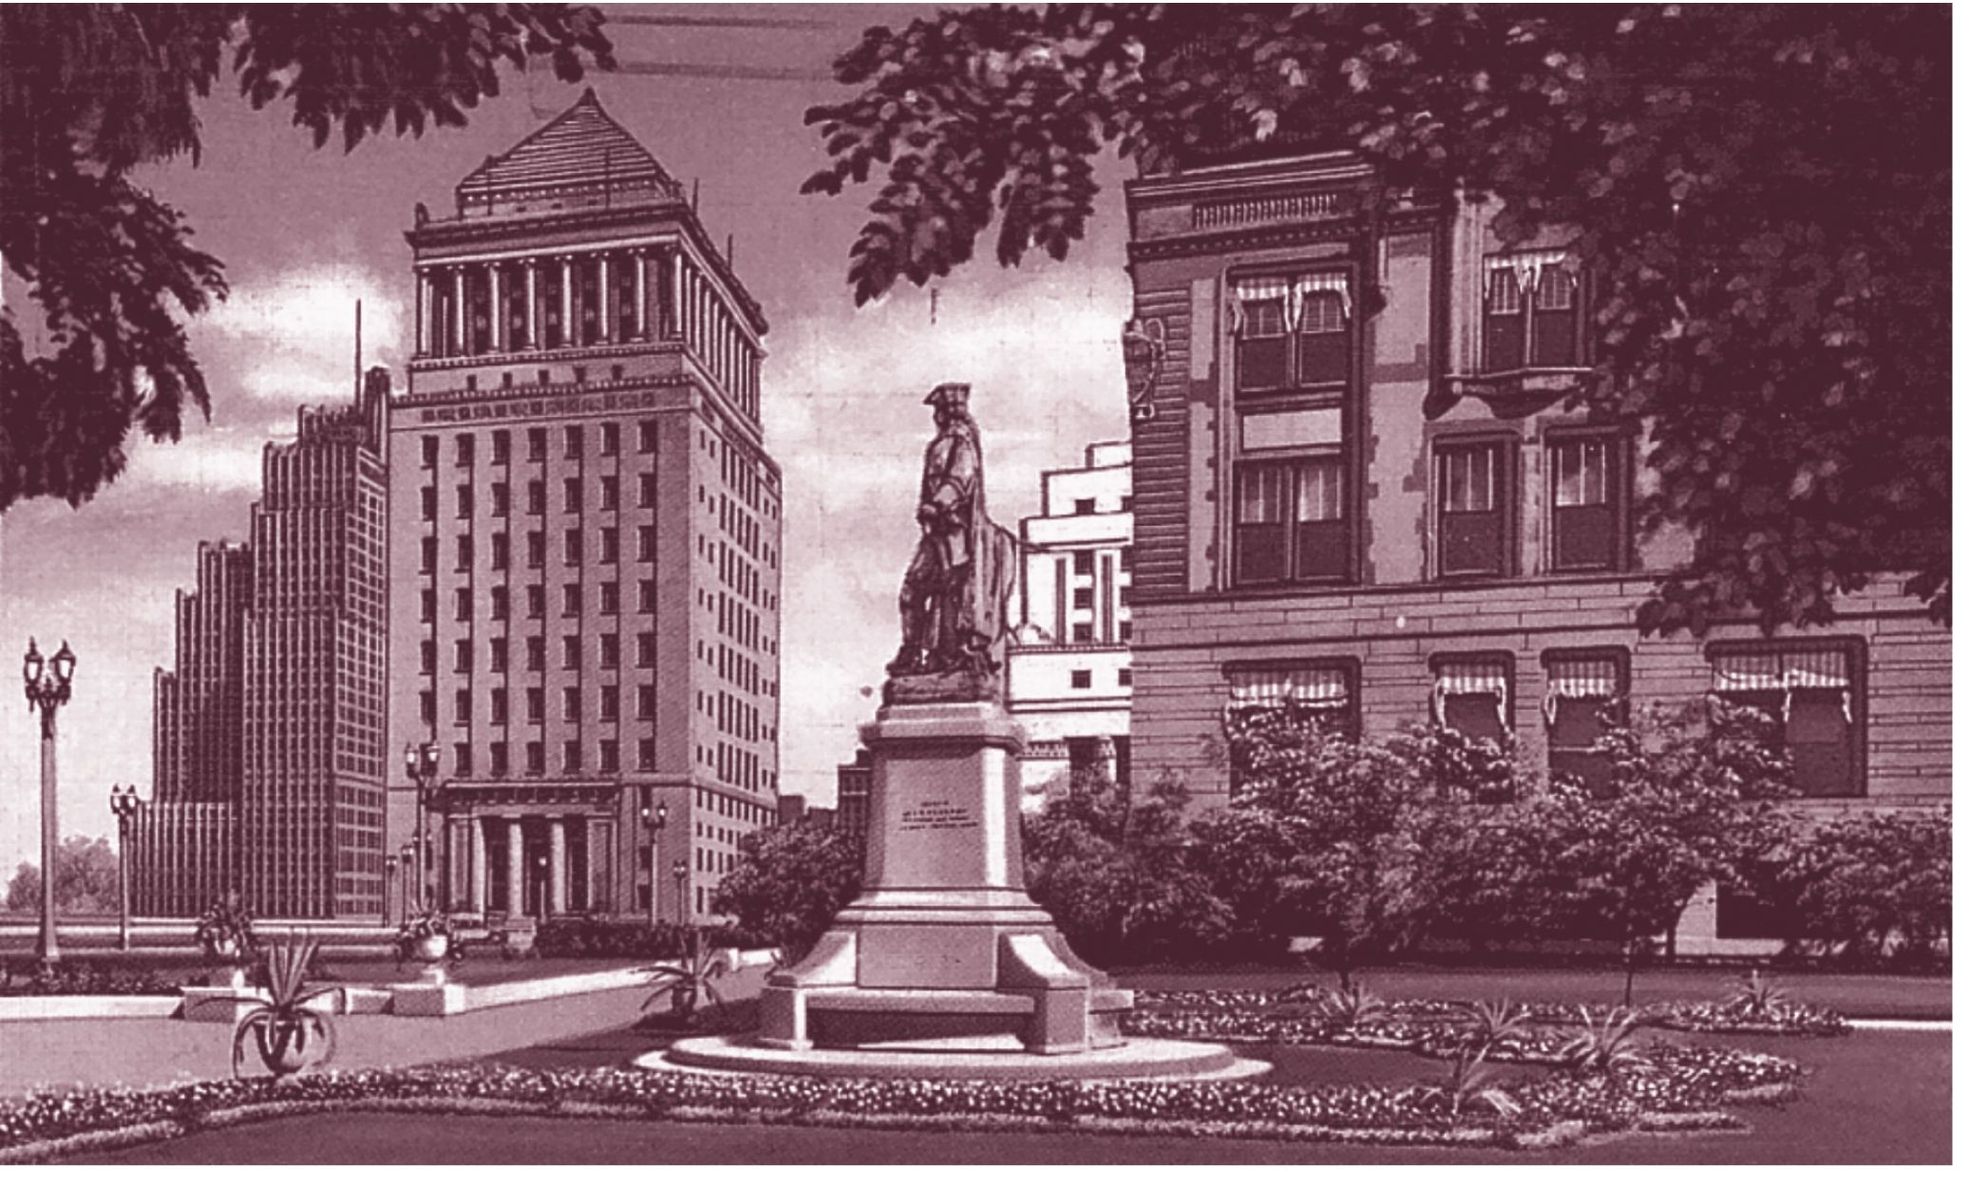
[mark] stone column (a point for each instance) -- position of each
(458, 338)
(480, 876)
(677, 292)
(604, 314)
(495, 311)
(556, 866)
(1104, 753)
(570, 333)
(642, 295)
(515, 868)
(423, 314)
(532, 305)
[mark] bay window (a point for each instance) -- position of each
(1532, 311)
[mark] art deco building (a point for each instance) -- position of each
(1067, 669)
(268, 737)
(584, 538)
(1359, 490)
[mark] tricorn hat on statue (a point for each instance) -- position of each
(951, 395)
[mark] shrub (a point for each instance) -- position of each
(1866, 887)
(789, 882)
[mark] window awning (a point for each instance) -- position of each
(1312, 687)
(1293, 290)
(1785, 671)
(1579, 678)
(1528, 264)
(1472, 678)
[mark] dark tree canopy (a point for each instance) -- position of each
(85, 879)
(1762, 191)
(90, 91)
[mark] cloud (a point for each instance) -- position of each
(217, 461)
(290, 338)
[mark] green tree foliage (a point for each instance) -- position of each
(1691, 802)
(1862, 887)
(89, 92)
(789, 882)
(85, 879)
(1113, 867)
(1760, 191)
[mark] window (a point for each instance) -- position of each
(461, 605)
(429, 496)
(463, 448)
(1083, 563)
(611, 650)
(464, 503)
(1083, 598)
(461, 759)
(611, 702)
(1083, 505)
(570, 703)
(1125, 677)
(427, 707)
(646, 436)
(536, 758)
(1083, 632)
(1291, 331)
(536, 705)
(571, 441)
(536, 654)
(1080, 679)
(1813, 699)
(571, 548)
(646, 490)
(611, 438)
(1588, 503)
(611, 493)
(611, 545)
(1472, 695)
(570, 600)
(570, 495)
(499, 653)
(427, 558)
(536, 601)
(646, 596)
(464, 552)
(499, 767)
(428, 605)
(1584, 689)
(501, 603)
(1128, 559)
(646, 753)
(430, 451)
(536, 438)
(461, 707)
(645, 544)
(502, 499)
(570, 652)
(611, 757)
(502, 441)
(646, 650)
(536, 497)
(1532, 311)
(611, 597)
(1314, 690)
(571, 757)
(461, 655)
(1291, 521)
(646, 701)
(1473, 485)
(536, 549)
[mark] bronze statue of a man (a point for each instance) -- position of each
(954, 593)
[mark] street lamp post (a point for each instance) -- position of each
(389, 881)
(678, 872)
(407, 863)
(540, 878)
(420, 761)
(47, 689)
(654, 821)
(123, 801)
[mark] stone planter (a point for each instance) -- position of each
(432, 948)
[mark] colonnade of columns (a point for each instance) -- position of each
(545, 302)
(543, 889)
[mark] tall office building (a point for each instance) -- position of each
(1068, 670)
(268, 737)
(584, 539)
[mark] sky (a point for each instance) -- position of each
(306, 233)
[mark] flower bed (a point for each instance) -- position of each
(1670, 1088)
(88, 979)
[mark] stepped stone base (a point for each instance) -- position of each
(962, 1060)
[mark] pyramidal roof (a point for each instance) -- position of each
(579, 149)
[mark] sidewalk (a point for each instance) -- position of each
(1892, 997)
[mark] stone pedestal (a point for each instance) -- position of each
(944, 948)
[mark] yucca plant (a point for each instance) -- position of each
(288, 1035)
(1349, 1005)
(1487, 1022)
(1756, 998)
(1604, 1045)
(691, 979)
(1470, 1078)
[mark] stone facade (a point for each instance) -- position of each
(1356, 484)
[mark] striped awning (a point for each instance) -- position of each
(1579, 678)
(1785, 671)
(1293, 290)
(1472, 677)
(1527, 265)
(1314, 687)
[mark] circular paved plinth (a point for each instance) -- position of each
(1141, 1058)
